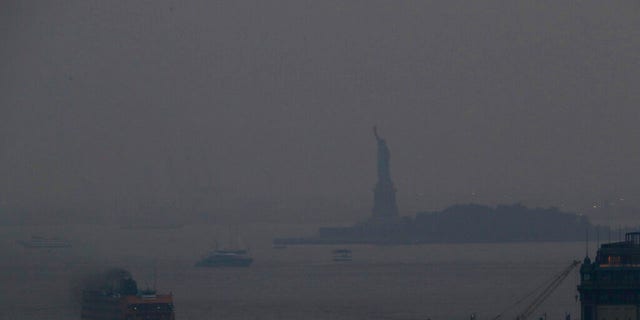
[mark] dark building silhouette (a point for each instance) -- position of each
(384, 194)
(610, 286)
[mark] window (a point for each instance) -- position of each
(614, 260)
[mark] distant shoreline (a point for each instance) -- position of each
(469, 223)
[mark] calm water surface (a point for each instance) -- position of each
(443, 281)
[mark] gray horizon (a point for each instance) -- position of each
(256, 111)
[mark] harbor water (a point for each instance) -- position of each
(435, 281)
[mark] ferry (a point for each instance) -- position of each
(119, 298)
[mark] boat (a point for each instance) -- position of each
(233, 254)
(42, 242)
(152, 226)
(342, 255)
(119, 298)
(226, 258)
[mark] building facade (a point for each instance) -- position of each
(610, 285)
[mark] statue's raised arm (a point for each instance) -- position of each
(375, 133)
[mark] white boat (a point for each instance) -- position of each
(341, 255)
(226, 258)
(42, 242)
(235, 255)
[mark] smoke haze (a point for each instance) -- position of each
(261, 110)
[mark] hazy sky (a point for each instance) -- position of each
(113, 105)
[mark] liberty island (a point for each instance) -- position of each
(455, 224)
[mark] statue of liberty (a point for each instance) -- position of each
(383, 157)
(384, 194)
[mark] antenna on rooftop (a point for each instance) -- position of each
(155, 275)
(587, 242)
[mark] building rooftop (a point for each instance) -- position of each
(620, 254)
